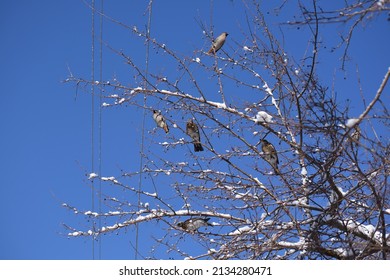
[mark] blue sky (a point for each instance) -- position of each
(46, 127)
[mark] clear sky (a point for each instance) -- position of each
(46, 128)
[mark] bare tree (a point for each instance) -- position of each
(326, 198)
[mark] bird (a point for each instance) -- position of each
(194, 224)
(160, 120)
(218, 43)
(270, 154)
(193, 131)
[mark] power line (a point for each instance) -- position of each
(143, 123)
(93, 120)
(100, 121)
(93, 152)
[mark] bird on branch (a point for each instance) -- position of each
(193, 131)
(218, 43)
(160, 120)
(270, 155)
(194, 224)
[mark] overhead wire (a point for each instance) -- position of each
(100, 120)
(143, 124)
(100, 124)
(93, 119)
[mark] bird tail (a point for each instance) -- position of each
(207, 222)
(166, 129)
(198, 147)
(211, 51)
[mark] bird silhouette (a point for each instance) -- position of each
(160, 120)
(218, 43)
(194, 224)
(270, 155)
(193, 131)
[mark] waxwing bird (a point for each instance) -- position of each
(160, 120)
(218, 43)
(194, 224)
(193, 131)
(270, 154)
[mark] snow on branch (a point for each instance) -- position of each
(263, 117)
(366, 232)
(153, 214)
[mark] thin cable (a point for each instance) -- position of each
(93, 120)
(211, 18)
(100, 123)
(143, 124)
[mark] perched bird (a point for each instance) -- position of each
(193, 131)
(194, 224)
(218, 43)
(160, 120)
(270, 154)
